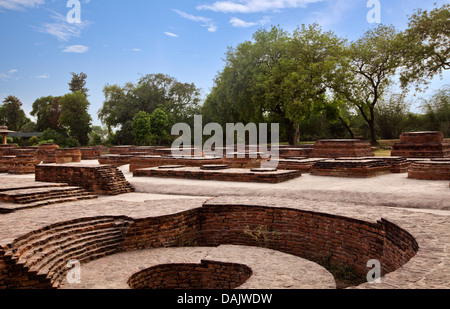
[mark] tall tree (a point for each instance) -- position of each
(374, 61)
(142, 128)
(75, 116)
(47, 111)
(179, 101)
(78, 83)
(279, 77)
(12, 114)
(426, 46)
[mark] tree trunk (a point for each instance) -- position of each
(297, 134)
(289, 128)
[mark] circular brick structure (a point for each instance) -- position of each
(207, 275)
(63, 156)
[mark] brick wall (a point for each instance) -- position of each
(207, 275)
(315, 236)
(101, 180)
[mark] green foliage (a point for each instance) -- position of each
(34, 141)
(277, 77)
(437, 111)
(425, 46)
(78, 83)
(75, 116)
(374, 60)
(12, 114)
(142, 128)
(48, 112)
(180, 102)
(51, 136)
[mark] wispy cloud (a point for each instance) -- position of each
(61, 29)
(19, 4)
(204, 21)
(171, 34)
(254, 6)
(80, 49)
(136, 50)
(44, 76)
(239, 23)
(9, 75)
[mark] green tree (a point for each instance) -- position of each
(142, 128)
(374, 61)
(12, 114)
(78, 83)
(180, 102)
(278, 77)
(75, 116)
(48, 112)
(159, 125)
(425, 46)
(437, 111)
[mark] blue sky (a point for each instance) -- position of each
(119, 41)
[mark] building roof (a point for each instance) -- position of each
(4, 129)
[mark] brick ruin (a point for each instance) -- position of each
(337, 148)
(98, 179)
(14, 160)
(206, 275)
(422, 145)
(354, 168)
(218, 173)
(434, 169)
(38, 259)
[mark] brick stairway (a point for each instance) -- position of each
(98, 179)
(113, 181)
(25, 198)
(43, 255)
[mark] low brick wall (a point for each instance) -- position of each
(430, 170)
(342, 148)
(90, 153)
(63, 156)
(302, 165)
(239, 175)
(207, 275)
(351, 168)
(115, 159)
(421, 145)
(155, 161)
(101, 180)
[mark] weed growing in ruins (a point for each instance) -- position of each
(262, 235)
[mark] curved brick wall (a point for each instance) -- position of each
(318, 237)
(207, 275)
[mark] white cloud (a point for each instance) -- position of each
(8, 75)
(171, 34)
(44, 76)
(61, 29)
(254, 6)
(134, 50)
(204, 21)
(80, 49)
(19, 4)
(239, 23)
